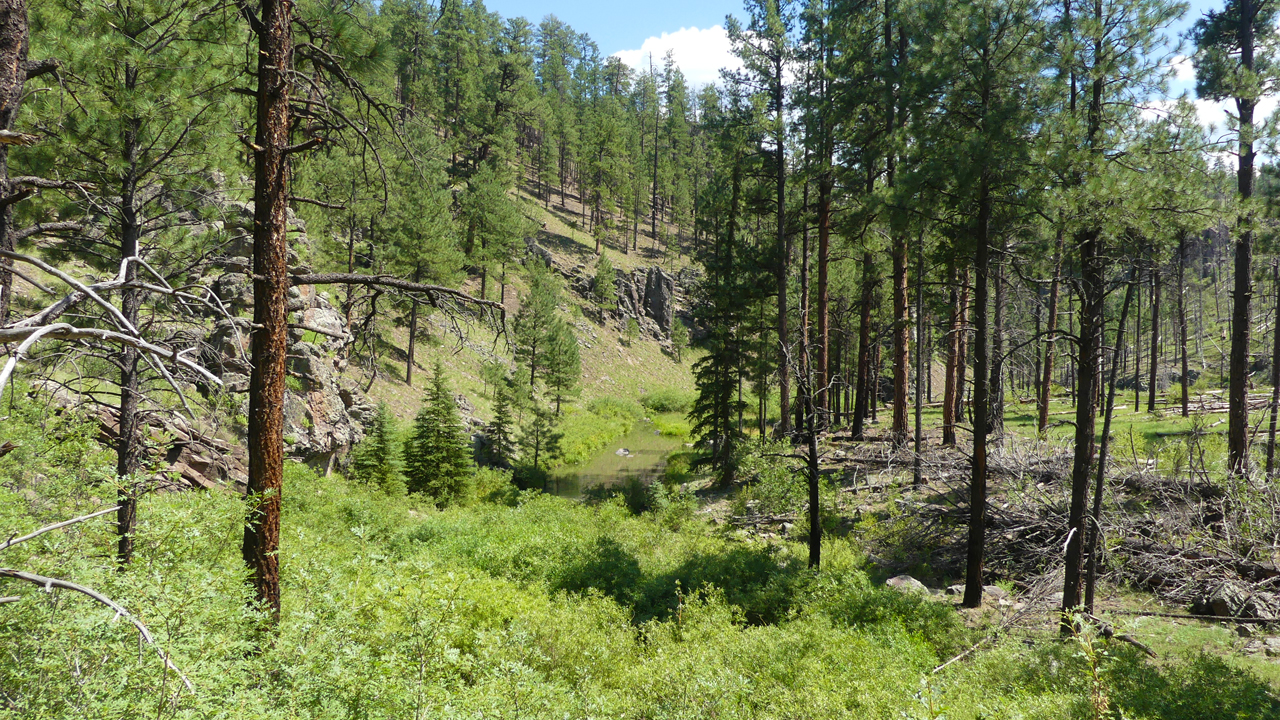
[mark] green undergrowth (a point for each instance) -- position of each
(543, 608)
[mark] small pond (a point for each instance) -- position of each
(647, 458)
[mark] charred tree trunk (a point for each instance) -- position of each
(784, 251)
(270, 283)
(1095, 516)
(14, 72)
(129, 440)
(995, 415)
(1093, 295)
(978, 461)
(823, 369)
(1242, 294)
(962, 344)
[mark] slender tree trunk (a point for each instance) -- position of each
(901, 341)
(823, 371)
(863, 386)
(413, 331)
(784, 254)
(1242, 295)
(1050, 327)
(271, 281)
(953, 365)
(13, 75)
(920, 383)
(978, 461)
(1154, 357)
(129, 439)
(995, 415)
(1093, 296)
(1095, 516)
(962, 359)
(1182, 323)
(1275, 374)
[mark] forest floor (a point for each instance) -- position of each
(1170, 553)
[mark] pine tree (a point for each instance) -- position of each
(679, 338)
(604, 287)
(437, 453)
(376, 460)
(564, 363)
(502, 444)
(535, 322)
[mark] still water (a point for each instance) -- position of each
(647, 460)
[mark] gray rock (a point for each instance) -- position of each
(659, 295)
(234, 290)
(907, 584)
(995, 591)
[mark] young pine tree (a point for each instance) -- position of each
(679, 338)
(437, 454)
(502, 444)
(375, 460)
(604, 287)
(564, 364)
(535, 322)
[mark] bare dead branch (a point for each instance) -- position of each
(49, 528)
(48, 582)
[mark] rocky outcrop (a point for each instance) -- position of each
(659, 298)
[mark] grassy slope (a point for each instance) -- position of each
(610, 367)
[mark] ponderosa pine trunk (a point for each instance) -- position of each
(978, 460)
(1050, 327)
(953, 359)
(1182, 323)
(14, 70)
(1093, 296)
(901, 339)
(1153, 359)
(413, 331)
(782, 273)
(270, 284)
(1099, 483)
(128, 439)
(1242, 294)
(1275, 374)
(863, 386)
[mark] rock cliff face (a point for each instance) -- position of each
(650, 295)
(325, 413)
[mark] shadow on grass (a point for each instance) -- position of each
(756, 580)
(1202, 686)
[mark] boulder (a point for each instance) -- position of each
(907, 584)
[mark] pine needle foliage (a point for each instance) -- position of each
(438, 452)
(376, 460)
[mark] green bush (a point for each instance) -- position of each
(545, 609)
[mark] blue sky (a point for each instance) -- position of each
(622, 25)
(693, 29)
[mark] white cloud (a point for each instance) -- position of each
(1183, 69)
(699, 53)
